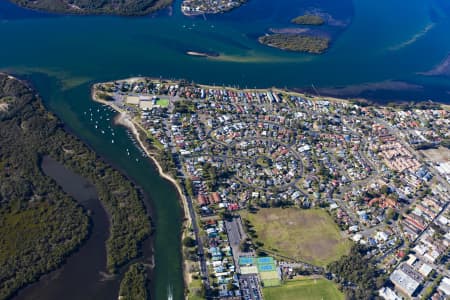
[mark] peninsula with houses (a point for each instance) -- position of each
(288, 194)
(200, 7)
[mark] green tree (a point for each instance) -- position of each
(189, 242)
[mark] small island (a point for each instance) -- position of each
(296, 42)
(308, 19)
(110, 7)
(200, 7)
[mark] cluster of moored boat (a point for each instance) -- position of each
(96, 117)
(99, 115)
(136, 144)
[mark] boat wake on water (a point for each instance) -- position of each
(169, 293)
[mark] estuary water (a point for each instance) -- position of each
(376, 45)
(379, 50)
(84, 267)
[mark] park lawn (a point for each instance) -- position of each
(304, 289)
(194, 297)
(194, 286)
(162, 102)
(263, 161)
(299, 234)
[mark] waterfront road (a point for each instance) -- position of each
(193, 215)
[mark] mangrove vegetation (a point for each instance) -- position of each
(296, 42)
(40, 225)
(134, 284)
(308, 20)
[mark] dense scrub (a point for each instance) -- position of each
(130, 224)
(357, 275)
(296, 42)
(116, 7)
(39, 224)
(133, 285)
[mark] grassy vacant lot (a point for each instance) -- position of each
(264, 161)
(441, 154)
(305, 289)
(194, 286)
(308, 235)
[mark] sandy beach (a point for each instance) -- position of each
(124, 119)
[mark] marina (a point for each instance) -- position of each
(102, 120)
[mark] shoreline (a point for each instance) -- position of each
(288, 91)
(123, 119)
(301, 92)
(295, 91)
(76, 11)
(91, 208)
(133, 125)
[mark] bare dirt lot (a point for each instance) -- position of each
(437, 155)
(3, 106)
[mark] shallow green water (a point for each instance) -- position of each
(386, 40)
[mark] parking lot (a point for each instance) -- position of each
(250, 287)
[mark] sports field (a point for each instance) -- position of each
(162, 102)
(304, 289)
(307, 235)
